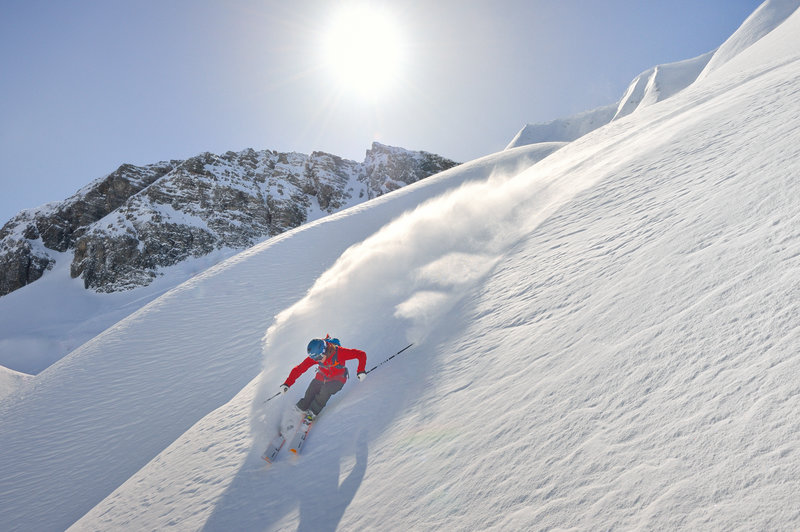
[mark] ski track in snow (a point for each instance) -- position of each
(607, 339)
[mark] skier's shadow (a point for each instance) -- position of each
(322, 502)
(323, 506)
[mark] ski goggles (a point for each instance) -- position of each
(316, 349)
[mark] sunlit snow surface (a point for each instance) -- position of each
(607, 339)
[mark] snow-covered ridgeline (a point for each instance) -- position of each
(768, 16)
(659, 83)
(662, 81)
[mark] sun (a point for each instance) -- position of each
(363, 50)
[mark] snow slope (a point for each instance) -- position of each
(49, 318)
(160, 370)
(606, 339)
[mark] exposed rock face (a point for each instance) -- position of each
(21, 263)
(390, 168)
(27, 237)
(122, 228)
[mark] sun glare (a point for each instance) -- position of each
(363, 50)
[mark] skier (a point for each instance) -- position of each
(330, 356)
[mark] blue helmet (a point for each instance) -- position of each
(316, 348)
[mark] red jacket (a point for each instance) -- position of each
(331, 368)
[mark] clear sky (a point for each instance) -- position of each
(86, 85)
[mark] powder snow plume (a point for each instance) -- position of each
(393, 288)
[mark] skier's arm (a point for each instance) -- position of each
(298, 370)
(350, 354)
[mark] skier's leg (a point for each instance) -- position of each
(325, 392)
(312, 390)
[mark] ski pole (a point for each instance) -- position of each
(391, 357)
(271, 398)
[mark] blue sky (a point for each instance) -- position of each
(87, 85)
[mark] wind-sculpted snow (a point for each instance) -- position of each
(9, 380)
(564, 129)
(659, 83)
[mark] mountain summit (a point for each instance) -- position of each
(123, 227)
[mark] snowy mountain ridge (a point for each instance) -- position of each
(611, 344)
(660, 82)
(765, 19)
(125, 226)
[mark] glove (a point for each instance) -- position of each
(284, 388)
(361, 376)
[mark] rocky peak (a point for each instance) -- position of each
(123, 227)
(388, 168)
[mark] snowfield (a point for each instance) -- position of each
(606, 336)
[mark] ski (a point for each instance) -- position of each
(300, 436)
(274, 447)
